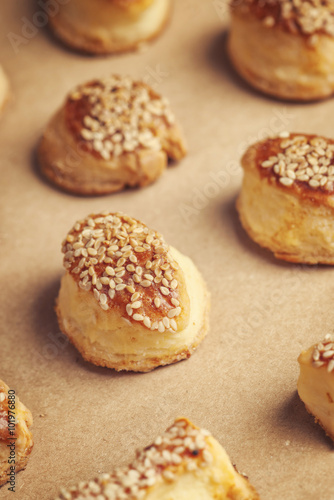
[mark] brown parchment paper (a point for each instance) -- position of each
(241, 383)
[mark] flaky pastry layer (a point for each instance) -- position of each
(102, 26)
(107, 338)
(277, 62)
(295, 222)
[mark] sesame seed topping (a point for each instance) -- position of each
(323, 353)
(183, 445)
(115, 278)
(308, 17)
(300, 159)
(118, 115)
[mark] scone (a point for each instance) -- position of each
(16, 440)
(316, 383)
(108, 135)
(284, 47)
(286, 202)
(4, 88)
(185, 463)
(128, 301)
(106, 26)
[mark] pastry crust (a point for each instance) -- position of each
(286, 203)
(316, 383)
(146, 309)
(284, 48)
(11, 411)
(184, 463)
(110, 134)
(109, 26)
(4, 88)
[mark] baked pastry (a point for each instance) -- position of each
(106, 26)
(4, 88)
(286, 202)
(128, 301)
(16, 440)
(184, 463)
(316, 382)
(284, 47)
(110, 134)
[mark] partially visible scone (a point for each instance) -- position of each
(284, 47)
(128, 301)
(316, 382)
(4, 88)
(110, 134)
(106, 26)
(16, 440)
(286, 203)
(185, 463)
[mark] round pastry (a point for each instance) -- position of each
(106, 26)
(284, 47)
(4, 88)
(184, 463)
(128, 301)
(16, 440)
(110, 134)
(286, 202)
(316, 382)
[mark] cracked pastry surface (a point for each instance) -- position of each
(129, 301)
(316, 382)
(109, 26)
(15, 420)
(284, 47)
(184, 463)
(286, 203)
(110, 134)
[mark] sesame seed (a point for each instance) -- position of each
(122, 273)
(303, 159)
(138, 317)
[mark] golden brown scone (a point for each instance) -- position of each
(4, 88)
(107, 26)
(128, 301)
(284, 47)
(316, 383)
(286, 202)
(185, 463)
(15, 420)
(110, 134)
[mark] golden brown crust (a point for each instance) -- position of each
(110, 134)
(181, 462)
(286, 203)
(12, 410)
(105, 38)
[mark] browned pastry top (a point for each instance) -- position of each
(116, 116)
(305, 17)
(125, 265)
(301, 163)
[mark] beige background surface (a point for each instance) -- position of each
(241, 383)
